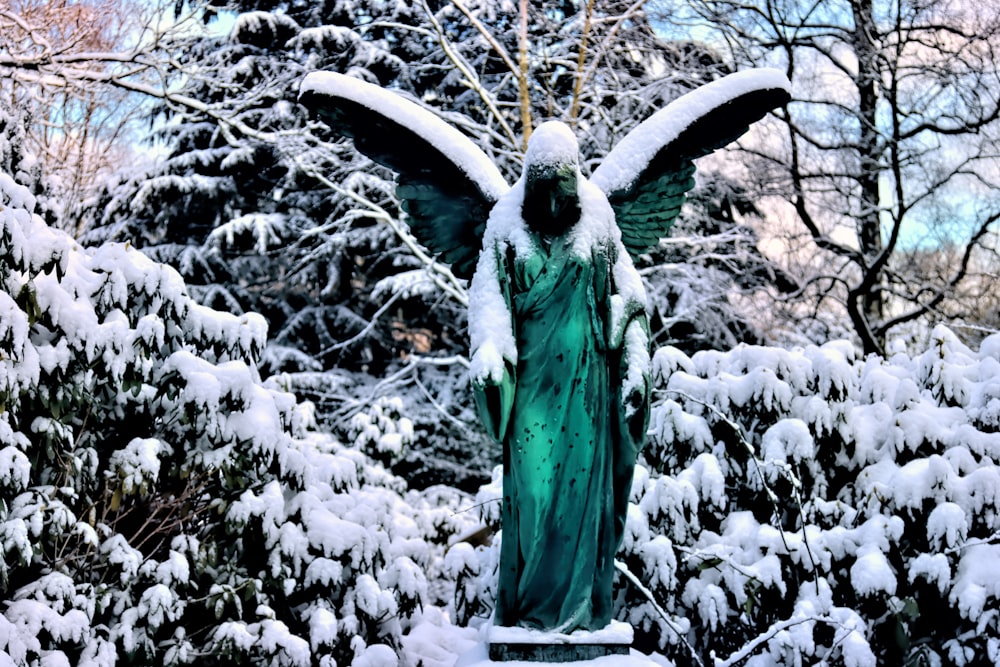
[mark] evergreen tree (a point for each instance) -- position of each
(261, 212)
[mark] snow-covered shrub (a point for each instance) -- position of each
(823, 506)
(382, 431)
(808, 506)
(159, 504)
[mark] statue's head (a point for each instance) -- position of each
(551, 171)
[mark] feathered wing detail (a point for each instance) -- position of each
(446, 183)
(647, 175)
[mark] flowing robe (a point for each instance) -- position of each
(570, 426)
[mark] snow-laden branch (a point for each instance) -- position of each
(468, 74)
(37, 72)
(754, 644)
(660, 611)
(437, 272)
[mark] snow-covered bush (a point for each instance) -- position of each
(816, 505)
(808, 506)
(159, 504)
(382, 431)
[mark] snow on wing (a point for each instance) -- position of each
(447, 184)
(647, 175)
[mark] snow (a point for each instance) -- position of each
(405, 284)
(552, 144)
(871, 573)
(382, 431)
(932, 567)
(673, 503)
(378, 655)
(158, 604)
(491, 329)
(633, 153)
(615, 633)
(456, 146)
(638, 360)
(947, 525)
(671, 422)
(31, 617)
(788, 439)
(659, 559)
(15, 195)
(490, 324)
(977, 580)
(705, 476)
(709, 601)
(15, 468)
(138, 465)
(265, 228)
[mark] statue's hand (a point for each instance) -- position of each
(494, 399)
(636, 414)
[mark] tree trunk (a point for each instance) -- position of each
(866, 304)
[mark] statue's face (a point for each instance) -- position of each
(551, 203)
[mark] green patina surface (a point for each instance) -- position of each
(568, 449)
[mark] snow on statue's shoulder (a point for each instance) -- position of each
(633, 154)
(453, 144)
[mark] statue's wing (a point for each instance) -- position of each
(446, 183)
(647, 175)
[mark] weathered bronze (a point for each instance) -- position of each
(557, 318)
(570, 418)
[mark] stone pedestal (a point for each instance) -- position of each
(553, 653)
(479, 657)
(524, 645)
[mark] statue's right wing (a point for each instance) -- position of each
(648, 174)
(446, 183)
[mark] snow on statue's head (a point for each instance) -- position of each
(551, 173)
(552, 143)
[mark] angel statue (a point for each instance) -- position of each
(557, 312)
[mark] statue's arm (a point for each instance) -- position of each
(636, 378)
(494, 353)
(627, 337)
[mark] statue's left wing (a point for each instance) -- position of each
(647, 175)
(446, 183)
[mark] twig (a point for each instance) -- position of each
(634, 580)
(574, 109)
(522, 79)
(490, 39)
(366, 330)
(471, 80)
